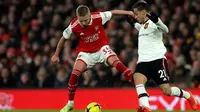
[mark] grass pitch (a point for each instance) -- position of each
(83, 111)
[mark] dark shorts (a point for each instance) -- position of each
(156, 70)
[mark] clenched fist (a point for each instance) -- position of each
(55, 59)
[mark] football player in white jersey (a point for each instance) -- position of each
(152, 63)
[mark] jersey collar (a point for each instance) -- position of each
(145, 21)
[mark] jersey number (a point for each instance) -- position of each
(107, 50)
(163, 75)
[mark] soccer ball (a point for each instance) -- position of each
(93, 107)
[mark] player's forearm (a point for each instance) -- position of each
(162, 26)
(121, 12)
(60, 46)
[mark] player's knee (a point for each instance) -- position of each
(143, 95)
(166, 90)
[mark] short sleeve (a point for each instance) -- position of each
(67, 32)
(106, 16)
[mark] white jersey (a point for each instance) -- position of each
(150, 44)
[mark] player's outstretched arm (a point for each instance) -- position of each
(61, 43)
(106, 16)
(122, 12)
(153, 17)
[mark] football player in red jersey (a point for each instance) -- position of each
(93, 46)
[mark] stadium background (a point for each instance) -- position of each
(30, 30)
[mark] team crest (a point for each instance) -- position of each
(146, 25)
(96, 28)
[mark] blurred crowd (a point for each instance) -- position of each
(30, 30)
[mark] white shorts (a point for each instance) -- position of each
(101, 56)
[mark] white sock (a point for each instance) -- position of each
(175, 91)
(144, 101)
(70, 103)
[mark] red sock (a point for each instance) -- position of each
(73, 84)
(119, 66)
(128, 74)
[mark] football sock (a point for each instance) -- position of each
(128, 74)
(70, 103)
(142, 95)
(175, 91)
(73, 83)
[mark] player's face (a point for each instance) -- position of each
(140, 15)
(85, 20)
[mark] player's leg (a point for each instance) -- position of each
(175, 91)
(161, 77)
(141, 76)
(79, 67)
(109, 57)
(140, 79)
(115, 62)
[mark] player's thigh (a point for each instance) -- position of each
(141, 75)
(84, 59)
(107, 55)
(159, 71)
(166, 88)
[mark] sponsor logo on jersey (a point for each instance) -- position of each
(91, 38)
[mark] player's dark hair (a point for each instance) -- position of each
(141, 5)
(82, 10)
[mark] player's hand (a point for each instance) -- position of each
(153, 17)
(131, 20)
(131, 14)
(55, 59)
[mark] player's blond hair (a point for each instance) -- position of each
(82, 10)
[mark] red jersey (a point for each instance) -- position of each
(92, 37)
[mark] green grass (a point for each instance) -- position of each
(82, 111)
